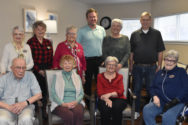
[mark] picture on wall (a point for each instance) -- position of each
(52, 16)
(30, 16)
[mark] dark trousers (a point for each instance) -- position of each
(42, 84)
(92, 70)
(141, 73)
(70, 116)
(112, 116)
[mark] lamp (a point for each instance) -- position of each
(51, 27)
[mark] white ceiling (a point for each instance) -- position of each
(110, 1)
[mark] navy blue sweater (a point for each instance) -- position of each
(168, 85)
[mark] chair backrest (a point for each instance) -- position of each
(125, 73)
(49, 78)
(185, 66)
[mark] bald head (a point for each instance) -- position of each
(18, 67)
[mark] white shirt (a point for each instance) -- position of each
(9, 53)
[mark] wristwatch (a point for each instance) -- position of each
(28, 103)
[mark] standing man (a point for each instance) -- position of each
(91, 37)
(146, 56)
(19, 89)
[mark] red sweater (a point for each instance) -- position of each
(105, 86)
(64, 49)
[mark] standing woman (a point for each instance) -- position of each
(14, 49)
(117, 45)
(73, 48)
(42, 53)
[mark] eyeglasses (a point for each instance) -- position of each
(17, 34)
(19, 68)
(112, 65)
(170, 60)
(71, 34)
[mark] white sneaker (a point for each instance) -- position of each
(136, 115)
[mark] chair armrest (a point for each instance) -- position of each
(49, 112)
(132, 95)
(87, 96)
(39, 112)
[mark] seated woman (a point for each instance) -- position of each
(110, 92)
(67, 93)
(169, 92)
(14, 49)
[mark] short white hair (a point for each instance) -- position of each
(172, 54)
(111, 59)
(70, 28)
(118, 21)
(20, 29)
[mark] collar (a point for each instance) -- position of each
(96, 28)
(67, 73)
(141, 31)
(170, 71)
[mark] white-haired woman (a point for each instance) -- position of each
(14, 49)
(116, 44)
(169, 92)
(110, 92)
(73, 48)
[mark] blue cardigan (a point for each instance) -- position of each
(168, 85)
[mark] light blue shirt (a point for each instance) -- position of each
(12, 88)
(91, 40)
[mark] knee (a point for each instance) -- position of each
(168, 118)
(25, 119)
(147, 111)
(69, 116)
(26, 116)
(4, 118)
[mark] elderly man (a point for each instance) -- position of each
(147, 53)
(91, 37)
(18, 91)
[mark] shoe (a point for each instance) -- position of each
(136, 115)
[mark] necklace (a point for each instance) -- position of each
(67, 77)
(19, 50)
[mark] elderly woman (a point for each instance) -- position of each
(15, 49)
(169, 92)
(42, 52)
(71, 47)
(67, 93)
(110, 92)
(116, 44)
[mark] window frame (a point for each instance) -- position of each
(178, 41)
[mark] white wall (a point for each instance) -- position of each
(127, 10)
(11, 13)
(168, 7)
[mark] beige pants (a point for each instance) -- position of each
(24, 118)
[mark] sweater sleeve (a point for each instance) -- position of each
(57, 57)
(81, 95)
(30, 59)
(100, 87)
(54, 96)
(126, 56)
(120, 86)
(184, 81)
